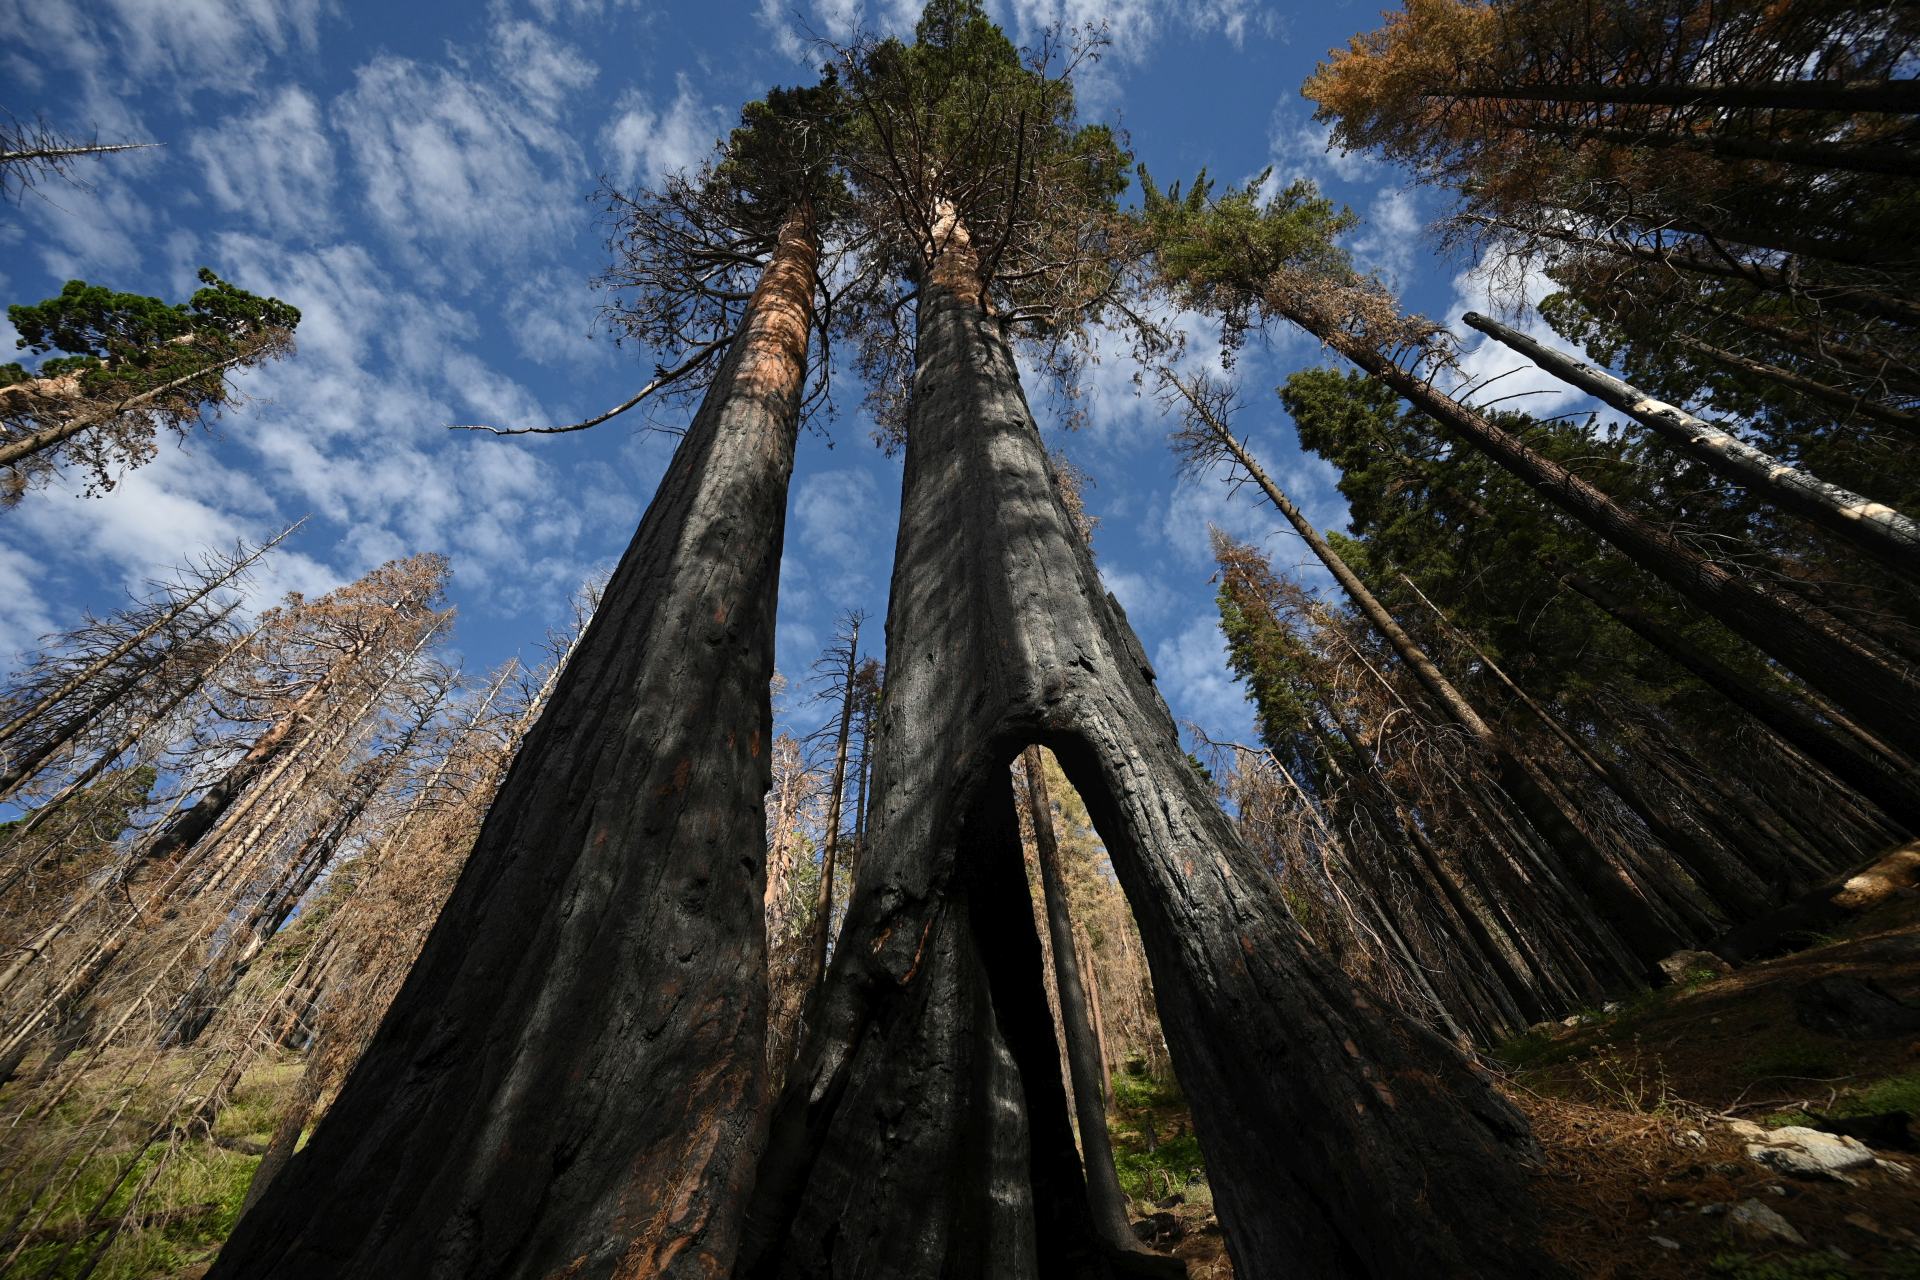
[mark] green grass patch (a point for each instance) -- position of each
(1152, 1175)
(1895, 1093)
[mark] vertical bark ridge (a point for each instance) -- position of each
(571, 1080)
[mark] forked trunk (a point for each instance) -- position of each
(571, 1080)
(1341, 1139)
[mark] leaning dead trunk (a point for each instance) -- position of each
(1872, 526)
(571, 1079)
(1341, 1139)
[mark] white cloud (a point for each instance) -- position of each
(454, 169)
(89, 233)
(544, 69)
(273, 165)
(1390, 235)
(836, 513)
(1299, 147)
(1144, 597)
(644, 144)
(26, 617)
(1492, 371)
(552, 317)
(1193, 675)
(211, 43)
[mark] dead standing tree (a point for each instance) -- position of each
(1342, 1138)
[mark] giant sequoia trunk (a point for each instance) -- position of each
(571, 1080)
(922, 1131)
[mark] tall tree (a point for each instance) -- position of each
(1209, 437)
(929, 1089)
(571, 1078)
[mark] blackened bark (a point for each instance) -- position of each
(1341, 1139)
(571, 1079)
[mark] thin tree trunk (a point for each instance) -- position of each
(823, 897)
(1812, 388)
(79, 678)
(1872, 526)
(1624, 901)
(1340, 1138)
(1850, 669)
(1104, 1197)
(1732, 885)
(1891, 789)
(571, 1079)
(1090, 973)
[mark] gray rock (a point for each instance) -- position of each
(1665, 1243)
(1757, 1224)
(1682, 964)
(1809, 1153)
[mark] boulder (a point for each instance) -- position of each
(1757, 1224)
(1682, 965)
(1809, 1153)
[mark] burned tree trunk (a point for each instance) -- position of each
(1341, 1138)
(571, 1080)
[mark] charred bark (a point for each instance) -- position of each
(1341, 1139)
(571, 1079)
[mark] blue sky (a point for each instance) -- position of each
(417, 178)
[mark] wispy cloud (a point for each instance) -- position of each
(644, 142)
(272, 164)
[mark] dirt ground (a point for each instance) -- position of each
(1634, 1108)
(1633, 1112)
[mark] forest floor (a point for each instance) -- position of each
(1643, 1110)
